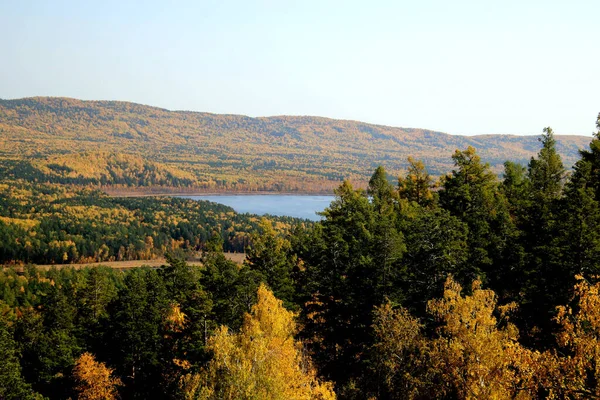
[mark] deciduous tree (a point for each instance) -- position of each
(262, 361)
(94, 380)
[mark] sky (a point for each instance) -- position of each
(461, 67)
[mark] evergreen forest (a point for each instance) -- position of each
(470, 286)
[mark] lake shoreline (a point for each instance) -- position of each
(185, 194)
(292, 205)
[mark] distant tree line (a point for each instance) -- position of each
(52, 224)
(101, 142)
(96, 169)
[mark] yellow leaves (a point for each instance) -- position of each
(280, 226)
(24, 223)
(175, 319)
(399, 350)
(116, 168)
(580, 337)
(262, 361)
(269, 319)
(396, 329)
(183, 364)
(480, 358)
(190, 386)
(477, 357)
(310, 159)
(471, 358)
(469, 315)
(94, 379)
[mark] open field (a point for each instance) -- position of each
(236, 257)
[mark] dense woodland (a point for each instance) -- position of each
(53, 224)
(61, 140)
(97, 169)
(483, 288)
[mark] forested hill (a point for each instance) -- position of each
(234, 152)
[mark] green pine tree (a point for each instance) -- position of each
(12, 384)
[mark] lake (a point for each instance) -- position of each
(274, 204)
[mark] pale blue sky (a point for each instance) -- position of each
(462, 67)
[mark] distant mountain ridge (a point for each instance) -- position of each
(235, 152)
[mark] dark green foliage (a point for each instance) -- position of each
(578, 222)
(12, 384)
(387, 245)
(515, 187)
(232, 290)
(123, 318)
(136, 334)
(47, 337)
(352, 262)
(341, 282)
(546, 172)
(437, 246)
(471, 194)
(269, 255)
(592, 158)
(545, 279)
(578, 217)
(93, 299)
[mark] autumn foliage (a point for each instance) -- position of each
(473, 288)
(212, 152)
(262, 361)
(475, 353)
(94, 380)
(579, 370)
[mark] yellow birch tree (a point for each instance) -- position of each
(94, 379)
(477, 358)
(262, 361)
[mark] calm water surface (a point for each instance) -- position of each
(274, 204)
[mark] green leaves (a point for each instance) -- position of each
(471, 194)
(546, 173)
(12, 384)
(270, 256)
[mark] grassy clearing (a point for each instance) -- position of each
(236, 257)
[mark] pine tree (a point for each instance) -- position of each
(471, 193)
(269, 255)
(137, 329)
(437, 245)
(12, 384)
(416, 185)
(546, 173)
(579, 215)
(342, 281)
(387, 241)
(515, 187)
(545, 280)
(592, 156)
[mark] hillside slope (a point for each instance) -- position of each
(234, 152)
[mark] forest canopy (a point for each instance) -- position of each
(470, 287)
(54, 224)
